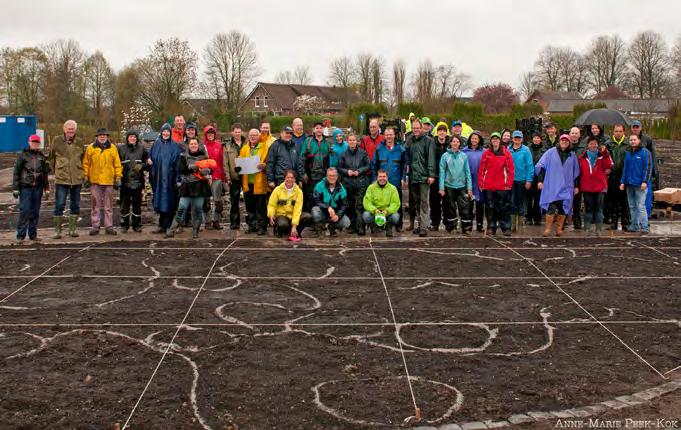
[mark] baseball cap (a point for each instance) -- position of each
(636, 123)
(495, 134)
(517, 133)
(457, 122)
(287, 129)
(426, 120)
(564, 136)
(34, 138)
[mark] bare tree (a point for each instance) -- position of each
(649, 65)
(676, 65)
(528, 85)
(231, 66)
(364, 63)
(424, 82)
(167, 75)
(377, 80)
(64, 88)
(298, 76)
(547, 70)
(22, 78)
(342, 72)
(606, 62)
(449, 82)
(284, 77)
(399, 80)
(99, 83)
(573, 70)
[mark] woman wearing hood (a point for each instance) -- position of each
(558, 173)
(455, 182)
(102, 169)
(163, 176)
(194, 186)
(474, 152)
(495, 178)
(133, 157)
(340, 145)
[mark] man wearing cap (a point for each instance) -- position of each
(102, 171)
(533, 210)
(234, 183)
(314, 155)
(30, 181)
(523, 169)
(551, 137)
(647, 143)
(370, 143)
(427, 126)
(66, 162)
(422, 173)
(381, 203)
(457, 129)
(282, 156)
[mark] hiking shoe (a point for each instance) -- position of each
(94, 232)
(110, 231)
(137, 229)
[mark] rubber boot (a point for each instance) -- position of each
(196, 229)
(73, 225)
(57, 227)
(173, 228)
(549, 224)
(560, 222)
(599, 229)
(587, 227)
(514, 223)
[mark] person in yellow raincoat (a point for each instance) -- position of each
(285, 208)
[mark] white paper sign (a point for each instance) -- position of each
(248, 165)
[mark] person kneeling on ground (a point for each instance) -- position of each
(102, 172)
(194, 187)
(638, 170)
(285, 209)
(329, 203)
(456, 183)
(382, 201)
(30, 182)
(558, 173)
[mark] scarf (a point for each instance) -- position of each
(593, 156)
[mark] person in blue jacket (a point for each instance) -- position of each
(637, 174)
(455, 182)
(338, 148)
(391, 156)
(522, 181)
(329, 200)
(163, 160)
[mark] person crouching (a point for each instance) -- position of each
(28, 185)
(194, 187)
(285, 209)
(382, 201)
(329, 203)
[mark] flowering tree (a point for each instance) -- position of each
(309, 105)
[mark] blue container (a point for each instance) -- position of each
(15, 131)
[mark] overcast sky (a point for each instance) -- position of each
(491, 40)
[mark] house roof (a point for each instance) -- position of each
(624, 105)
(286, 94)
(546, 95)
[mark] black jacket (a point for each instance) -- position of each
(192, 186)
(132, 156)
(354, 160)
(441, 149)
(283, 156)
(30, 170)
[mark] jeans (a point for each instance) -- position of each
(457, 199)
(61, 192)
(390, 221)
(498, 209)
(196, 204)
(282, 224)
(593, 208)
(518, 198)
(532, 197)
(421, 198)
(256, 209)
(320, 216)
(637, 206)
(213, 212)
(131, 197)
(29, 211)
(102, 199)
(234, 193)
(556, 208)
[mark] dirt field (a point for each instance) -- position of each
(259, 334)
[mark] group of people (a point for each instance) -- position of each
(330, 180)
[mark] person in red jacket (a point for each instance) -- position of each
(212, 214)
(594, 166)
(370, 143)
(495, 179)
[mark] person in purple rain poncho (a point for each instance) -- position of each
(557, 171)
(474, 151)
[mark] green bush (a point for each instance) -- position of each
(467, 111)
(579, 109)
(404, 109)
(526, 110)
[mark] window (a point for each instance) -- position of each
(265, 100)
(257, 101)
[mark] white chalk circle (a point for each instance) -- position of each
(491, 335)
(319, 402)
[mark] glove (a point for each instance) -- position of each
(237, 169)
(46, 194)
(192, 167)
(178, 184)
(86, 183)
(16, 193)
(205, 172)
(117, 184)
(138, 168)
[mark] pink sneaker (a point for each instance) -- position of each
(294, 239)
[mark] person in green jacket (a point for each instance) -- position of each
(616, 204)
(66, 162)
(422, 172)
(455, 182)
(382, 199)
